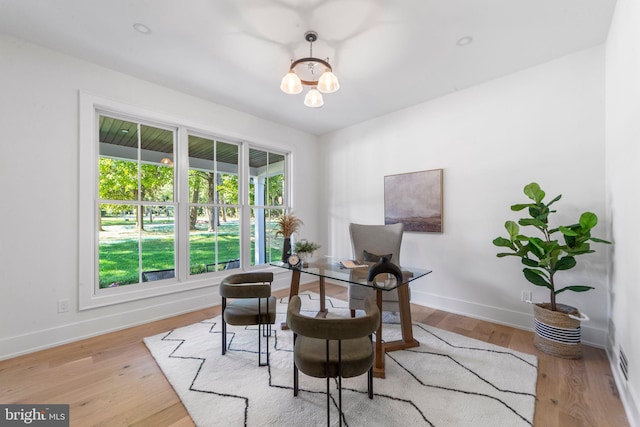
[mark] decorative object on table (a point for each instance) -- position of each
(294, 261)
(286, 225)
(481, 384)
(384, 266)
(557, 326)
(415, 200)
(305, 249)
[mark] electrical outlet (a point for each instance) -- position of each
(63, 305)
(526, 296)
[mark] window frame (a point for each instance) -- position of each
(90, 295)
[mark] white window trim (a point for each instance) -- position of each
(89, 297)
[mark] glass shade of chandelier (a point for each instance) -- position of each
(310, 67)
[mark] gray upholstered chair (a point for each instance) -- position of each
(333, 347)
(247, 300)
(370, 243)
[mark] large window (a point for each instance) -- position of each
(214, 205)
(136, 208)
(171, 207)
(266, 200)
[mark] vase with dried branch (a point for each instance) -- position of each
(286, 225)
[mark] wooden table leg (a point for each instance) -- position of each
(405, 313)
(378, 363)
(293, 290)
(405, 323)
(323, 307)
(295, 283)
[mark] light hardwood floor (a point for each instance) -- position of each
(112, 380)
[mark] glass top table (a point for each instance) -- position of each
(331, 268)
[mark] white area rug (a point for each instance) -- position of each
(449, 380)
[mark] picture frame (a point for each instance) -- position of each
(415, 200)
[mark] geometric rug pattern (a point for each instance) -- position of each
(449, 380)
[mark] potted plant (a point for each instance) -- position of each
(305, 249)
(557, 326)
(286, 225)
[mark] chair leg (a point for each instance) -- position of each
(353, 313)
(264, 329)
(267, 327)
(328, 404)
(328, 395)
(370, 375)
(295, 369)
(260, 325)
(340, 383)
(224, 327)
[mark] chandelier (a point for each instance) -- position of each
(310, 68)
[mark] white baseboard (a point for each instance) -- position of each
(207, 297)
(181, 303)
(594, 337)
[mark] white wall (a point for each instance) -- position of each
(623, 175)
(544, 124)
(39, 176)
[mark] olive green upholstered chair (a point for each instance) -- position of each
(333, 347)
(247, 300)
(370, 243)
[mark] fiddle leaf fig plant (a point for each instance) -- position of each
(544, 254)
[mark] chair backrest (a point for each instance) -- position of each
(381, 240)
(342, 328)
(246, 285)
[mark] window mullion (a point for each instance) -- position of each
(139, 208)
(182, 201)
(245, 209)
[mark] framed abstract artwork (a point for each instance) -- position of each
(415, 200)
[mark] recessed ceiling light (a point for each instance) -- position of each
(141, 28)
(464, 41)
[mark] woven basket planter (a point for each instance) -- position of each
(558, 333)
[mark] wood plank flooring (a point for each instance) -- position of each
(112, 380)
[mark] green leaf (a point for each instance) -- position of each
(532, 221)
(581, 252)
(535, 248)
(575, 288)
(519, 207)
(534, 192)
(501, 241)
(554, 200)
(536, 277)
(530, 262)
(588, 220)
(512, 228)
(567, 231)
(565, 263)
(595, 239)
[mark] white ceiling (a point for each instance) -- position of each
(387, 54)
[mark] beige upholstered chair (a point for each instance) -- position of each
(333, 347)
(247, 300)
(369, 243)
